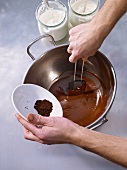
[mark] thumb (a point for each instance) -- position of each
(73, 57)
(37, 119)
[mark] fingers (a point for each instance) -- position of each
(38, 119)
(71, 39)
(27, 125)
(82, 43)
(74, 54)
(73, 50)
(74, 30)
(30, 136)
(73, 58)
(69, 50)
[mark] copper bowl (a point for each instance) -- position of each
(54, 62)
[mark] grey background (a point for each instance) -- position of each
(18, 27)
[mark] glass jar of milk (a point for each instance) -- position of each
(82, 11)
(53, 19)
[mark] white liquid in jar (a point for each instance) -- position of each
(85, 9)
(55, 23)
(84, 6)
(52, 17)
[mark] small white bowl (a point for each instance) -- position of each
(25, 96)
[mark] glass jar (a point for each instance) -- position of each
(53, 19)
(82, 11)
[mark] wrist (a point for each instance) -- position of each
(102, 29)
(84, 138)
(108, 16)
(80, 136)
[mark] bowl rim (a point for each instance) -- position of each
(28, 84)
(114, 80)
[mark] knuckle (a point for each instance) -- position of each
(71, 44)
(25, 136)
(76, 54)
(70, 32)
(53, 120)
(40, 135)
(69, 51)
(71, 39)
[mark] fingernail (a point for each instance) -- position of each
(30, 118)
(72, 61)
(17, 115)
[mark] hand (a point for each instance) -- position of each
(52, 130)
(85, 40)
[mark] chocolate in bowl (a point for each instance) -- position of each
(85, 108)
(52, 64)
(43, 107)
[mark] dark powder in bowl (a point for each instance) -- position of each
(43, 107)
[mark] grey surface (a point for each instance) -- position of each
(18, 28)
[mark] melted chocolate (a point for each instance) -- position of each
(76, 88)
(83, 108)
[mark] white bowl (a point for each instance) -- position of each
(25, 96)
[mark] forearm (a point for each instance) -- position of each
(108, 15)
(110, 147)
